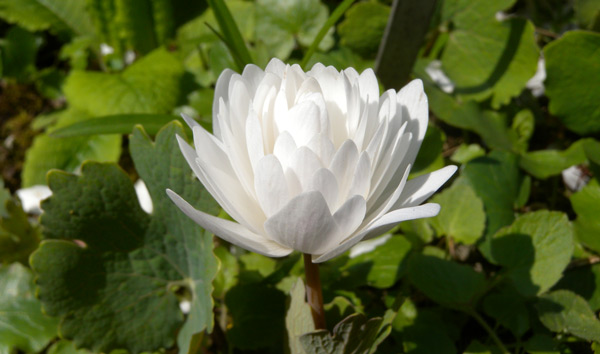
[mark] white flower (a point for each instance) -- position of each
(435, 72)
(143, 196)
(313, 162)
(32, 197)
(536, 83)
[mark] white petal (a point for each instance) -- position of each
(324, 182)
(284, 148)
(304, 224)
(350, 215)
(221, 93)
(253, 75)
(224, 187)
(322, 147)
(362, 176)
(230, 231)
(393, 218)
(276, 67)
(385, 202)
(380, 226)
(209, 149)
(343, 165)
(302, 121)
(393, 171)
(413, 100)
(305, 163)
(191, 122)
(420, 188)
(271, 186)
(254, 139)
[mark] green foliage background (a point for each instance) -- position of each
(88, 94)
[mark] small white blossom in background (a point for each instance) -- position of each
(536, 83)
(437, 75)
(310, 161)
(130, 57)
(32, 197)
(143, 196)
(105, 49)
(185, 306)
(502, 16)
(575, 178)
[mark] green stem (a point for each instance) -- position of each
(489, 330)
(335, 16)
(314, 294)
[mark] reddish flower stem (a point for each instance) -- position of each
(314, 294)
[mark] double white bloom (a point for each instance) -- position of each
(313, 162)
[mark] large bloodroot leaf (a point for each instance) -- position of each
(115, 275)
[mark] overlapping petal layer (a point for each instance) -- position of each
(313, 162)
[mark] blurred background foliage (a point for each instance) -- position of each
(511, 264)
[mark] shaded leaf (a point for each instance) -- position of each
(587, 225)
(511, 53)
(381, 267)
(19, 50)
(363, 27)
(495, 179)
(355, 334)
(508, 308)
(565, 312)
(257, 313)
(445, 282)
(102, 248)
(583, 281)
(534, 250)
(571, 89)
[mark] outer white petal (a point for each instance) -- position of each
(378, 227)
(221, 93)
(350, 215)
(420, 188)
(230, 231)
(221, 184)
(304, 224)
(253, 75)
(413, 100)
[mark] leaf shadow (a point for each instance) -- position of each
(517, 254)
(517, 27)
